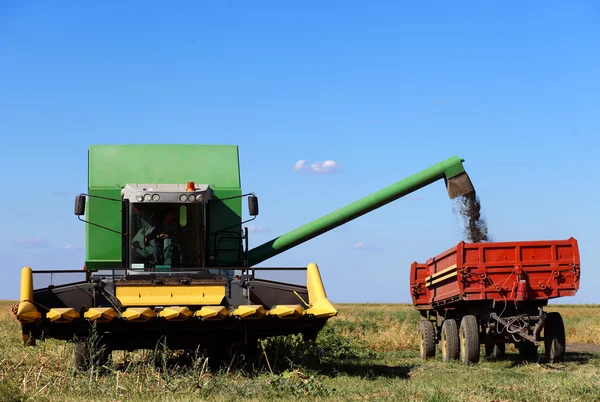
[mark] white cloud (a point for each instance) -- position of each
(70, 247)
(327, 166)
(257, 229)
(361, 245)
(301, 164)
(32, 242)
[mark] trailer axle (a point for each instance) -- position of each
(521, 331)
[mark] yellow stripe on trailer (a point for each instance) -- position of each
(165, 295)
(101, 314)
(250, 312)
(286, 311)
(138, 314)
(175, 313)
(441, 278)
(62, 314)
(212, 313)
(440, 273)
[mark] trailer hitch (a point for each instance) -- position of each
(515, 329)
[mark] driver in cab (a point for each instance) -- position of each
(168, 226)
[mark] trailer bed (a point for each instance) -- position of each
(529, 271)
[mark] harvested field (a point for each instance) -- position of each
(368, 352)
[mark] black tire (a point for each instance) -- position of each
(555, 342)
(469, 340)
(527, 351)
(218, 356)
(427, 339)
(104, 355)
(495, 350)
(450, 343)
(84, 359)
(249, 354)
(81, 355)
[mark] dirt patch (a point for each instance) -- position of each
(468, 208)
(583, 348)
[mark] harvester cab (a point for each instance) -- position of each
(167, 259)
(164, 227)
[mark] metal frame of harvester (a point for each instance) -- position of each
(193, 286)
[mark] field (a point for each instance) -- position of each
(368, 352)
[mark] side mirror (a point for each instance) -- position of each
(253, 205)
(80, 205)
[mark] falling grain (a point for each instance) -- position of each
(475, 227)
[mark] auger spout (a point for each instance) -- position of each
(451, 170)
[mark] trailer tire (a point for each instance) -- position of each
(554, 337)
(470, 348)
(495, 350)
(427, 339)
(450, 344)
(527, 351)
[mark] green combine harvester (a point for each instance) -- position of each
(167, 256)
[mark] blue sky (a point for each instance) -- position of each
(383, 90)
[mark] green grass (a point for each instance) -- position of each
(368, 352)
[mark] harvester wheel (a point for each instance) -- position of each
(427, 339)
(449, 343)
(83, 359)
(217, 356)
(469, 340)
(81, 355)
(554, 337)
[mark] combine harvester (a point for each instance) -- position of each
(494, 293)
(167, 257)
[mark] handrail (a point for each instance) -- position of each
(59, 271)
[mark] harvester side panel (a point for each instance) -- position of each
(497, 271)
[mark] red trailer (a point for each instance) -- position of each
(494, 293)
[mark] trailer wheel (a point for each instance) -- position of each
(554, 337)
(527, 351)
(427, 339)
(469, 340)
(495, 350)
(449, 343)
